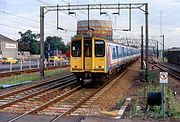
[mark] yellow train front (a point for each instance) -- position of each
(96, 58)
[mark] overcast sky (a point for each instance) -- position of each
(21, 15)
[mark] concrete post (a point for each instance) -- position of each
(21, 64)
(29, 63)
(10, 66)
(38, 63)
(54, 63)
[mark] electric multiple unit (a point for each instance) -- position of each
(96, 58)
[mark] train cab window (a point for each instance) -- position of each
(88, 48)
(99, 48)
(76, 48)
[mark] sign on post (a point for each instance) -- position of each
(163, 77)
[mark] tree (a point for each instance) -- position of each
(35, 47)
(55, 43)
(28, 42)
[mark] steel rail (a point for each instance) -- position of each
(61, 97)
(171, 71)
(36, 93)
(88, 97)
(46, 81)
(46, 104)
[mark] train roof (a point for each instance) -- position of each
(175, 49)
(87, 37)
(121, 44)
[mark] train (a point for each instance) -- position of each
(97, 59)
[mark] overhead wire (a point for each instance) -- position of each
(6, 12)
(80, 11)
(62, 11)
(12, 26)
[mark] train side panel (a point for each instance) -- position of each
(99, 56)
(119, 55)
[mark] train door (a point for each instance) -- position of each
(76, 56)
(88, 54)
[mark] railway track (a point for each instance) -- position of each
(18, 72)
(63, 102)
(27, 92)
(165, 68)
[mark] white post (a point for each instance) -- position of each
(21, 64)
(29, 63)
(10, 66)
(45, 63)
(37, 63)
(54, 63)
(61, 63)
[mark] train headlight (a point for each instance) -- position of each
(97, 67)
(102, 66)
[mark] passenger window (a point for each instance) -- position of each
(117, 54)
(120, 52)
(114, 54)
(76, 48)
(99, 48)
(88, 48)
(127, 54)
(123, 55)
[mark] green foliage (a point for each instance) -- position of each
(35, 47)
(77, 36)
(121, 101)
(29, 77)
(55, 43)
(28, 42)
(172, 105)
(19, 79)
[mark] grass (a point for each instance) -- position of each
(172, 106)
(29, 77)
(121, 101)
(165, 59)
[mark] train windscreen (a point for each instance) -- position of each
(76, 48)
(99, 48)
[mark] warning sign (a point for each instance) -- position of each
(163, 77)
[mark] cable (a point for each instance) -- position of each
(29, 19)
(42, 2)
(80, 11)
(18, 16)
(12, 26)
(62, 11)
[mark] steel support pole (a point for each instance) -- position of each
(163, 48)
(42, 42)
(146, 33)
(130, 17)
(163, 99)
(157, 51)
(142, 48)
(88, 17)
